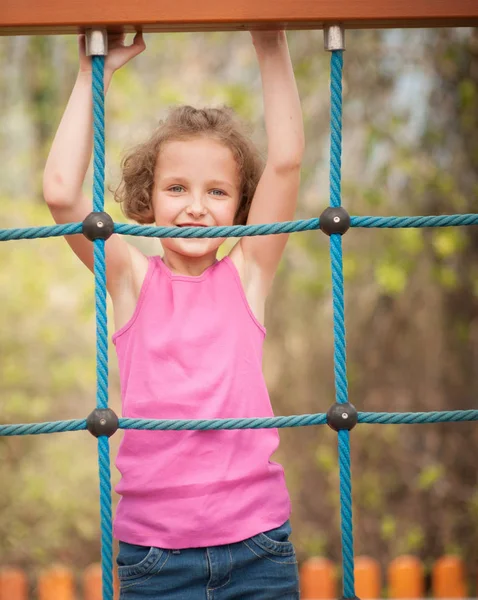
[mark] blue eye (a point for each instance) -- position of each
(220, 192)
(176, 188)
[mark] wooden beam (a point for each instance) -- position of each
(27, 17)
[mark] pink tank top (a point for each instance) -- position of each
(193, 350)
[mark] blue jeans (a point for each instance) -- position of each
(263, 567)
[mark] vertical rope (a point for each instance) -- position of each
(340, 354)
(336, 64)
(98, 63)
(340, 357)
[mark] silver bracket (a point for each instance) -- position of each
(96, 42)
(334, 37)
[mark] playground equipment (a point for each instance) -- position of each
(55, 17)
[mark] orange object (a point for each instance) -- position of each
(116, 584)
(92, 585)
(406, 578)
(448, 578)
(317, 579)
(58, 16)
(13, 584)
(367, 578)
(56, 584)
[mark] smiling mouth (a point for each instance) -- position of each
(191, 225)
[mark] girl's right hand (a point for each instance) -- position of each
(118, 54)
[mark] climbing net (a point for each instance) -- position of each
(342, 416)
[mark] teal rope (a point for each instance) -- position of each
(416, 418)
(348, 575)
(305, 420)
(340, 359)
(30, 233)
(106, 513)
(340, 355)
(336, 65)
(234, 231)
(26, 233)
(408, 222)
(39, 428)
(299, 421)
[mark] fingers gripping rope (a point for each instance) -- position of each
(334, 221)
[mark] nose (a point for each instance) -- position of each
(196, 207)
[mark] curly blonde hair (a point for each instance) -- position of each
(183, 123)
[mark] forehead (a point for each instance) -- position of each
(202, 156)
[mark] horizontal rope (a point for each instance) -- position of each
(294, 226)
(384, 418)
(406, 222)
(38, 428)
(241, 230)
(417, 417)
(297, 420)
(229, 231)
(30, 233)
(204, 424)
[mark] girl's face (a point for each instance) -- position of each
(196, 184)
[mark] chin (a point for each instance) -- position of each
(192, 247)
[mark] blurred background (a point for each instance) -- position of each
(410, 148)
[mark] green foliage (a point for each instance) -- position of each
(448, 242)
(391, 276)
(429, 476)
(47, 369)
(414, 539)
(326, 459)
(314, 544)
(388, 527)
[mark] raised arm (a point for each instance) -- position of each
(70, 155)
(276, 194)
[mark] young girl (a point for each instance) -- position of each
(202, 514)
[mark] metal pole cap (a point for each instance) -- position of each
(96, 42)
(334, 37)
